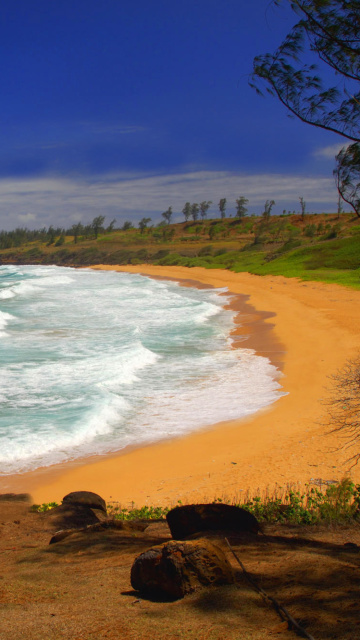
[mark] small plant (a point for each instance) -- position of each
(132, 513)
(42, 508)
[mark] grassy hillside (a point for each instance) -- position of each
(322, 247)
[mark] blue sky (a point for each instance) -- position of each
(124, 108)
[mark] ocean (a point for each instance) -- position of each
(94, 361)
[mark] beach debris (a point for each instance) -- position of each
(173, 569)
(187, 520)
(85, 499)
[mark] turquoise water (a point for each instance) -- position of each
(93, 361)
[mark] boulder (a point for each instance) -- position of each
(194, 518)
(70, 516)
(171, 570)
(85, 499)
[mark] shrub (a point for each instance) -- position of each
(310, 230)
(339, 502)
(206, 251)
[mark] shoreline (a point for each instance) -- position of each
(313, 331)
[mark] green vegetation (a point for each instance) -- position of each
(339, 503)
(132, 513)
(322, 247)
(42, 508)
(334, 503)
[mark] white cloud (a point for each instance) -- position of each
(331, 151)
(66, 200)
(26, 217)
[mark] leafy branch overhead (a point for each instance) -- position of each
(329, 31)
(347, 175)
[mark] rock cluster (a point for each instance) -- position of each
(173, 569)
(176, 568)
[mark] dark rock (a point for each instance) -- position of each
(130, 526)
(85, 499)
(193, 518)
(71, 516)
(15, 497)
(171, 570)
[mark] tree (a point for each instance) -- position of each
(344, 404)
(222, 207)
(167, 214)
(347, 175)
(187, 210)
(267, 208)
(51, 235)
(241, 209)
(195, 211)
(303, 207)
(127, 225)
(97, 225)
(61, 240)
(204, 206)
(110, 228)
(76, 230)
(330, 30)
(143, 224)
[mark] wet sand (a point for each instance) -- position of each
(308, 330)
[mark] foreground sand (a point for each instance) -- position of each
(315, 329)
(80, 588)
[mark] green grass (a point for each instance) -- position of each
(336, 261)
(333, 261)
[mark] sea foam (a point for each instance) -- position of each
(94, 361)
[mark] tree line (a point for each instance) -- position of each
(55, 235)
(195, 210)
(192, 211)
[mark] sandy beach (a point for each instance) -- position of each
(308, 330)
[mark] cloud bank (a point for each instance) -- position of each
(42, 201)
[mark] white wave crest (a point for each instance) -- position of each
(5, 294)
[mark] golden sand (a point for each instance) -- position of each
(309, 329)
